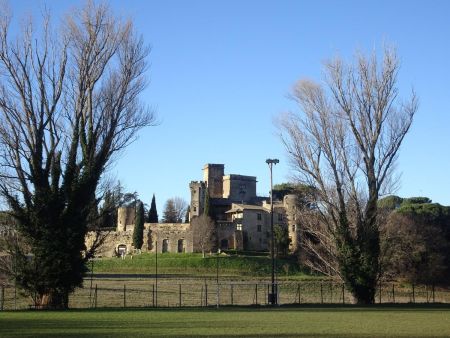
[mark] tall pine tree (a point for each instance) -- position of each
(153, 214)
(138, 233)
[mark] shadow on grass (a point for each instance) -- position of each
(263, 308)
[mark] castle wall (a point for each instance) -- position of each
(228, 237)
(169, 237)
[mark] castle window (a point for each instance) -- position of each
(293, 228)
(258, 216)
(181, 247)
(280, 217)
(195, 208)
(165, 245)
(239, 226)
(259, 227)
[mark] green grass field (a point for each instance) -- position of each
(227, 322)
(254, 264)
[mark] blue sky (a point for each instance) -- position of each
(221, 71)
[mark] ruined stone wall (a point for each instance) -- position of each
(169, 237)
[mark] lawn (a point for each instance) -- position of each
(232, 322)
(254, 264)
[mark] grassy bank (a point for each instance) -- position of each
(243, 322)
(190, 264)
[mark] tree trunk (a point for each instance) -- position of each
(55, 300)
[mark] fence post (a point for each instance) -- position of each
(232, 294)
(201, 296)
(432, 290)
(2, 300)
(298, 291)
(343, 293)
(218, 295)
(206, 294)
(256, 294)
(179, 293)
(393, 293)
(413, 294)
(124, 296)
(95, 297)
(153, 295)
(321, 293)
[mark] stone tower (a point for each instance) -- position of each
(125, 216)
(198, 190)
(213, 176)
(290, 205)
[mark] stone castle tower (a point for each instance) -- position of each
(125, 216)
(212, 182)
(213, 176)
(290, 205)
(198, 190)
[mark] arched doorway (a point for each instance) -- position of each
(121, 250)
(224, 244)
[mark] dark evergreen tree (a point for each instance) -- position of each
(138, 233)
(206, 204)
(153, 213)
(282, 241)
(186, 218)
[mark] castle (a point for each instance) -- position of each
(241, 218)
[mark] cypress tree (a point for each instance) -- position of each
(153, 214)
(138, 233)
(186, 217)
(206, 204)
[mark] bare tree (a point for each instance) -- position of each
(345, 143)
(204, 233)
(180, 206)
(174, 210)
(69, 101)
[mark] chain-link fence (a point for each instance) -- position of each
(171, 292)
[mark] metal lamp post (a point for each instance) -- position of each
(273, 295)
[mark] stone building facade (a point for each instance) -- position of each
(242, 219)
